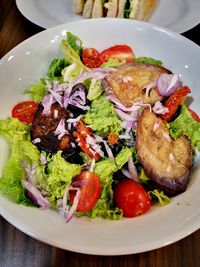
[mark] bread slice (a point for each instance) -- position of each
(142, 9)
(113, 9)
(121, 8)
(77, 6)
(97, 11)
(87, 9)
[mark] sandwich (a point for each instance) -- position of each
(132, 9)
(77, 6)
(111, 8)
(136, 9)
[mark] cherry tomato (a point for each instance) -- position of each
(90, 187)
(173, 102)
(25, 111)
(195, 116)
(131, 198)
(117, 52)
(83, 145)
(83, 129)
(90, 58)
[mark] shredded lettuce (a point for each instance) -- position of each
(70, 72)
(37, 90)
(20, 149)
(148, 60)
(95, 89)
(160, 196)
(75, 43)
(56, 67)
(112, 63)
(143, 178)
(185, 124)
(102, 118)
(71, 55)
(14, 130)
(105, 170)
(60, 174)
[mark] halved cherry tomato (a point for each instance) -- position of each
(195, 116)
(83, 145)
(83, 129)
(25, 111)
(117, 52)
(90, 58)
(173, 102)
(90, 187)
(131, 198)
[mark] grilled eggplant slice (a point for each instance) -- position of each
(128, 82)
(165, 161)
(44, 126)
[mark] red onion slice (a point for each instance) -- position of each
(60, 130)
(47, 101)
(158, 108)
(92, 165)
(167, 84)
(69, 212)
(36, 140)
(149, 86)
(30, 172)
(132, 170)
(126, 173)
(35, 194)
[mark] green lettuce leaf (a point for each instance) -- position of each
(148, 60)
(160, 196)
(185, 124)
(14, 130)
(37, 90)
(60, 174)
(56, 67)
(71, 55)
(75, 43)
(102, 118)
(70, 72)
(95, 89)
(20, 149)
(112, 63)
(105, 169)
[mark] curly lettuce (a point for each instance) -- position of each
(185, 124)
(102, 118)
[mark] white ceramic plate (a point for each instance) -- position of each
(28, 62)
(176, 15)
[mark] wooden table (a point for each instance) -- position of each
(17, 249)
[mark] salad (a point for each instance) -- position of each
(104, 134)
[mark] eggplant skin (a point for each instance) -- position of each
(128, 82)
(43, 127)
(165, 161)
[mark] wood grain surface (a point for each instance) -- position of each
(19, 250)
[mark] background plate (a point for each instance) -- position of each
(176, 15)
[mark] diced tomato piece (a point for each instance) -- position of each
(195, 116)
(83, 145)
(90, 187)
(25, 111)
(173, 102)
(117, 52)
(83, 129)
(90, 58)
